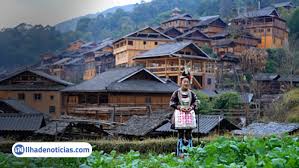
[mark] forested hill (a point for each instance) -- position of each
(23, 44)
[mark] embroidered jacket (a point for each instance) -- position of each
(176, 101)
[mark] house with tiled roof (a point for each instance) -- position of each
(265, 24)
(168, 61)
(118, 94)
(129, 46)
(36, 89)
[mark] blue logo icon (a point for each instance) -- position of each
(19, 149)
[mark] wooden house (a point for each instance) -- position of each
(196, 36)
(76, 45)
(235, 45)
(265, 24)
(68, 68)
(211, 25)
(98, 60)
(37, 89)
(179, 21)
(118, 94)
(129, 46)
(168, 61)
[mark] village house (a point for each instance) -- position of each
(196, 36)
(211, 25)
(168, 61)
(118, 94)
(265, 24)
(129, 46)
(272, 83)
(36, 89)
(236, 45)
(98, 60)
(76, 45)
(182, 22)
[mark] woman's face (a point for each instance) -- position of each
(185, 83)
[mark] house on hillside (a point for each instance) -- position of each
(118, 94)
(98, 60)
(182, 22)
(168, 61)
(129, 46)
(37, 89)
(196, 36)
(265, 24)
(211, 25)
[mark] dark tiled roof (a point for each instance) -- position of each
(283, 4)
(189, 35)
(206, 124)
(265, 77)
(171, 30)
(224, 43)
(102, 81)
(53, 128)
(184, 16)
(39, 73)
(230, 57)
(289, 78)
(21, 122)
(110, 81)
(268, 11)
(20, 106)
(157, 34)
(142, 125)
(144, 86)
(219, 35)
(267, 129)
(207, 20)
(170, 49)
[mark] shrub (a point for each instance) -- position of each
(229, 100)
(206, 104)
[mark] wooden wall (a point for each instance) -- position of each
(39, 105)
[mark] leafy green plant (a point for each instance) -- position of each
(223, 152)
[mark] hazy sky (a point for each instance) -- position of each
(14, 12)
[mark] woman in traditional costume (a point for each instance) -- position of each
(184, 102)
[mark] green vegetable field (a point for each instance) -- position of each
(271, 152)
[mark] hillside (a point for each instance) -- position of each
(20, 47)
(70, 25)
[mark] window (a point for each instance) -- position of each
(144, 42)
(268, 30)
(52, 109)
(148, 100)
(103, 99)
(37, 96)
(130, 42)
(21, 96)
(261, 30)
(209, 81)
(156, 43)
(52, 97)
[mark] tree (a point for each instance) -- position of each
(253, 60)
